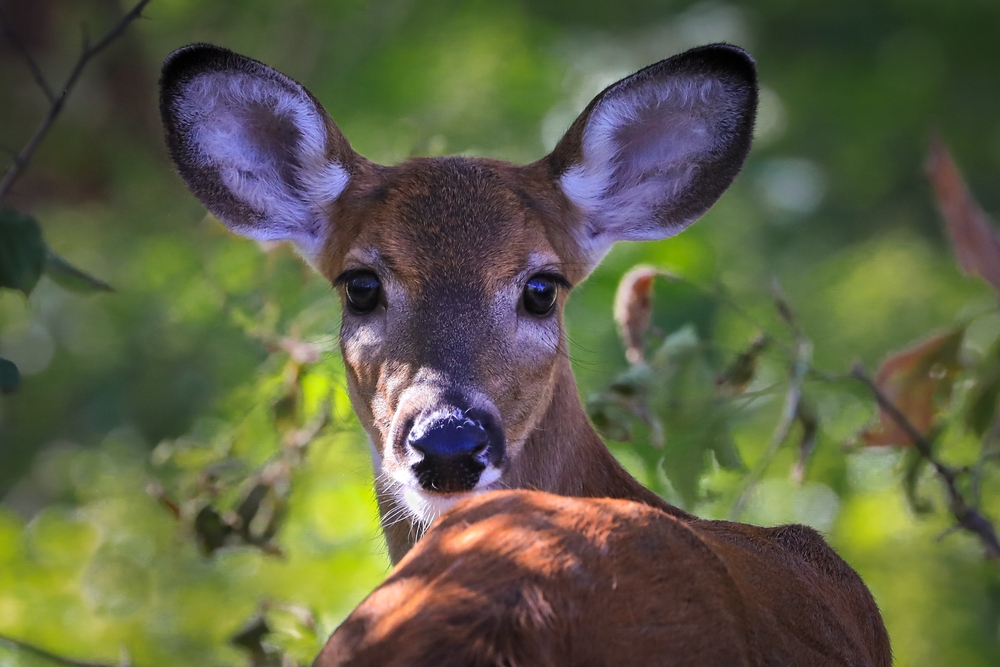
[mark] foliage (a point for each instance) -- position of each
(177, 396)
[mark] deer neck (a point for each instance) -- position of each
(564, 454)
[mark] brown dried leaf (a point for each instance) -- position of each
(976, 241)
(634, 309)
(912, 380)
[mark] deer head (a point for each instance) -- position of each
(454, 271)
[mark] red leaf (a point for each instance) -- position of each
(912, 380)
(976, 241)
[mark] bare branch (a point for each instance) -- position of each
(36, 71)
(967, 516)
(21, 160)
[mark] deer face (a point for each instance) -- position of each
(453, 271)
(452, 300)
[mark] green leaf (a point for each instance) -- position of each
(611, 420)
(983, 397)
(671, 413)
(694, 418)
(22, 251)
(10, 377)
(71, 278)
(913, 467)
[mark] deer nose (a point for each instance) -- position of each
(456, 446)
(447, 435)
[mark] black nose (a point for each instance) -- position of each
(452, 434)
(456, 446)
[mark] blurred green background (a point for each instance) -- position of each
(178, 371)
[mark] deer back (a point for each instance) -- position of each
(521, 578)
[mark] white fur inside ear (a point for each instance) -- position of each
(642, 146)
(267, 140)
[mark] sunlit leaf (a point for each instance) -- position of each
(974, 237)
(677, 346)
(10, 377)
(69, 277)
(916, 380)
(694, 418)
(22, 251)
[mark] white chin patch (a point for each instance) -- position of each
(425, 506)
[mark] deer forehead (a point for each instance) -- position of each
(444, 223)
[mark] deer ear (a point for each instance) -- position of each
(654, 151)
(253, 145)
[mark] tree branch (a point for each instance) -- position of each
(36, 71)
(20, 161)
(966, 515)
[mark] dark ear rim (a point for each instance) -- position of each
(183, 64)
(726, 63)
(179, 69)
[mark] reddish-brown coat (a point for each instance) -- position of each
(528, 579)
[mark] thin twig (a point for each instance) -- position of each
(968, 516)
(20, 162)
(36, 71)
(793, 397)
(19, 645)
(721, 294)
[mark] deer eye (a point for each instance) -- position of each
(540, 295)
(363, 290)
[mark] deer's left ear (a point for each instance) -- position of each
(253, 145)
(655, 150)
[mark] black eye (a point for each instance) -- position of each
(540, 295)
(363, 290)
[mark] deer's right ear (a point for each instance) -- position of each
(655, 150)
(253, 145)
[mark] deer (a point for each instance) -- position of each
(453, 273)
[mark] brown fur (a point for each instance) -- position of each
(527, 579)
